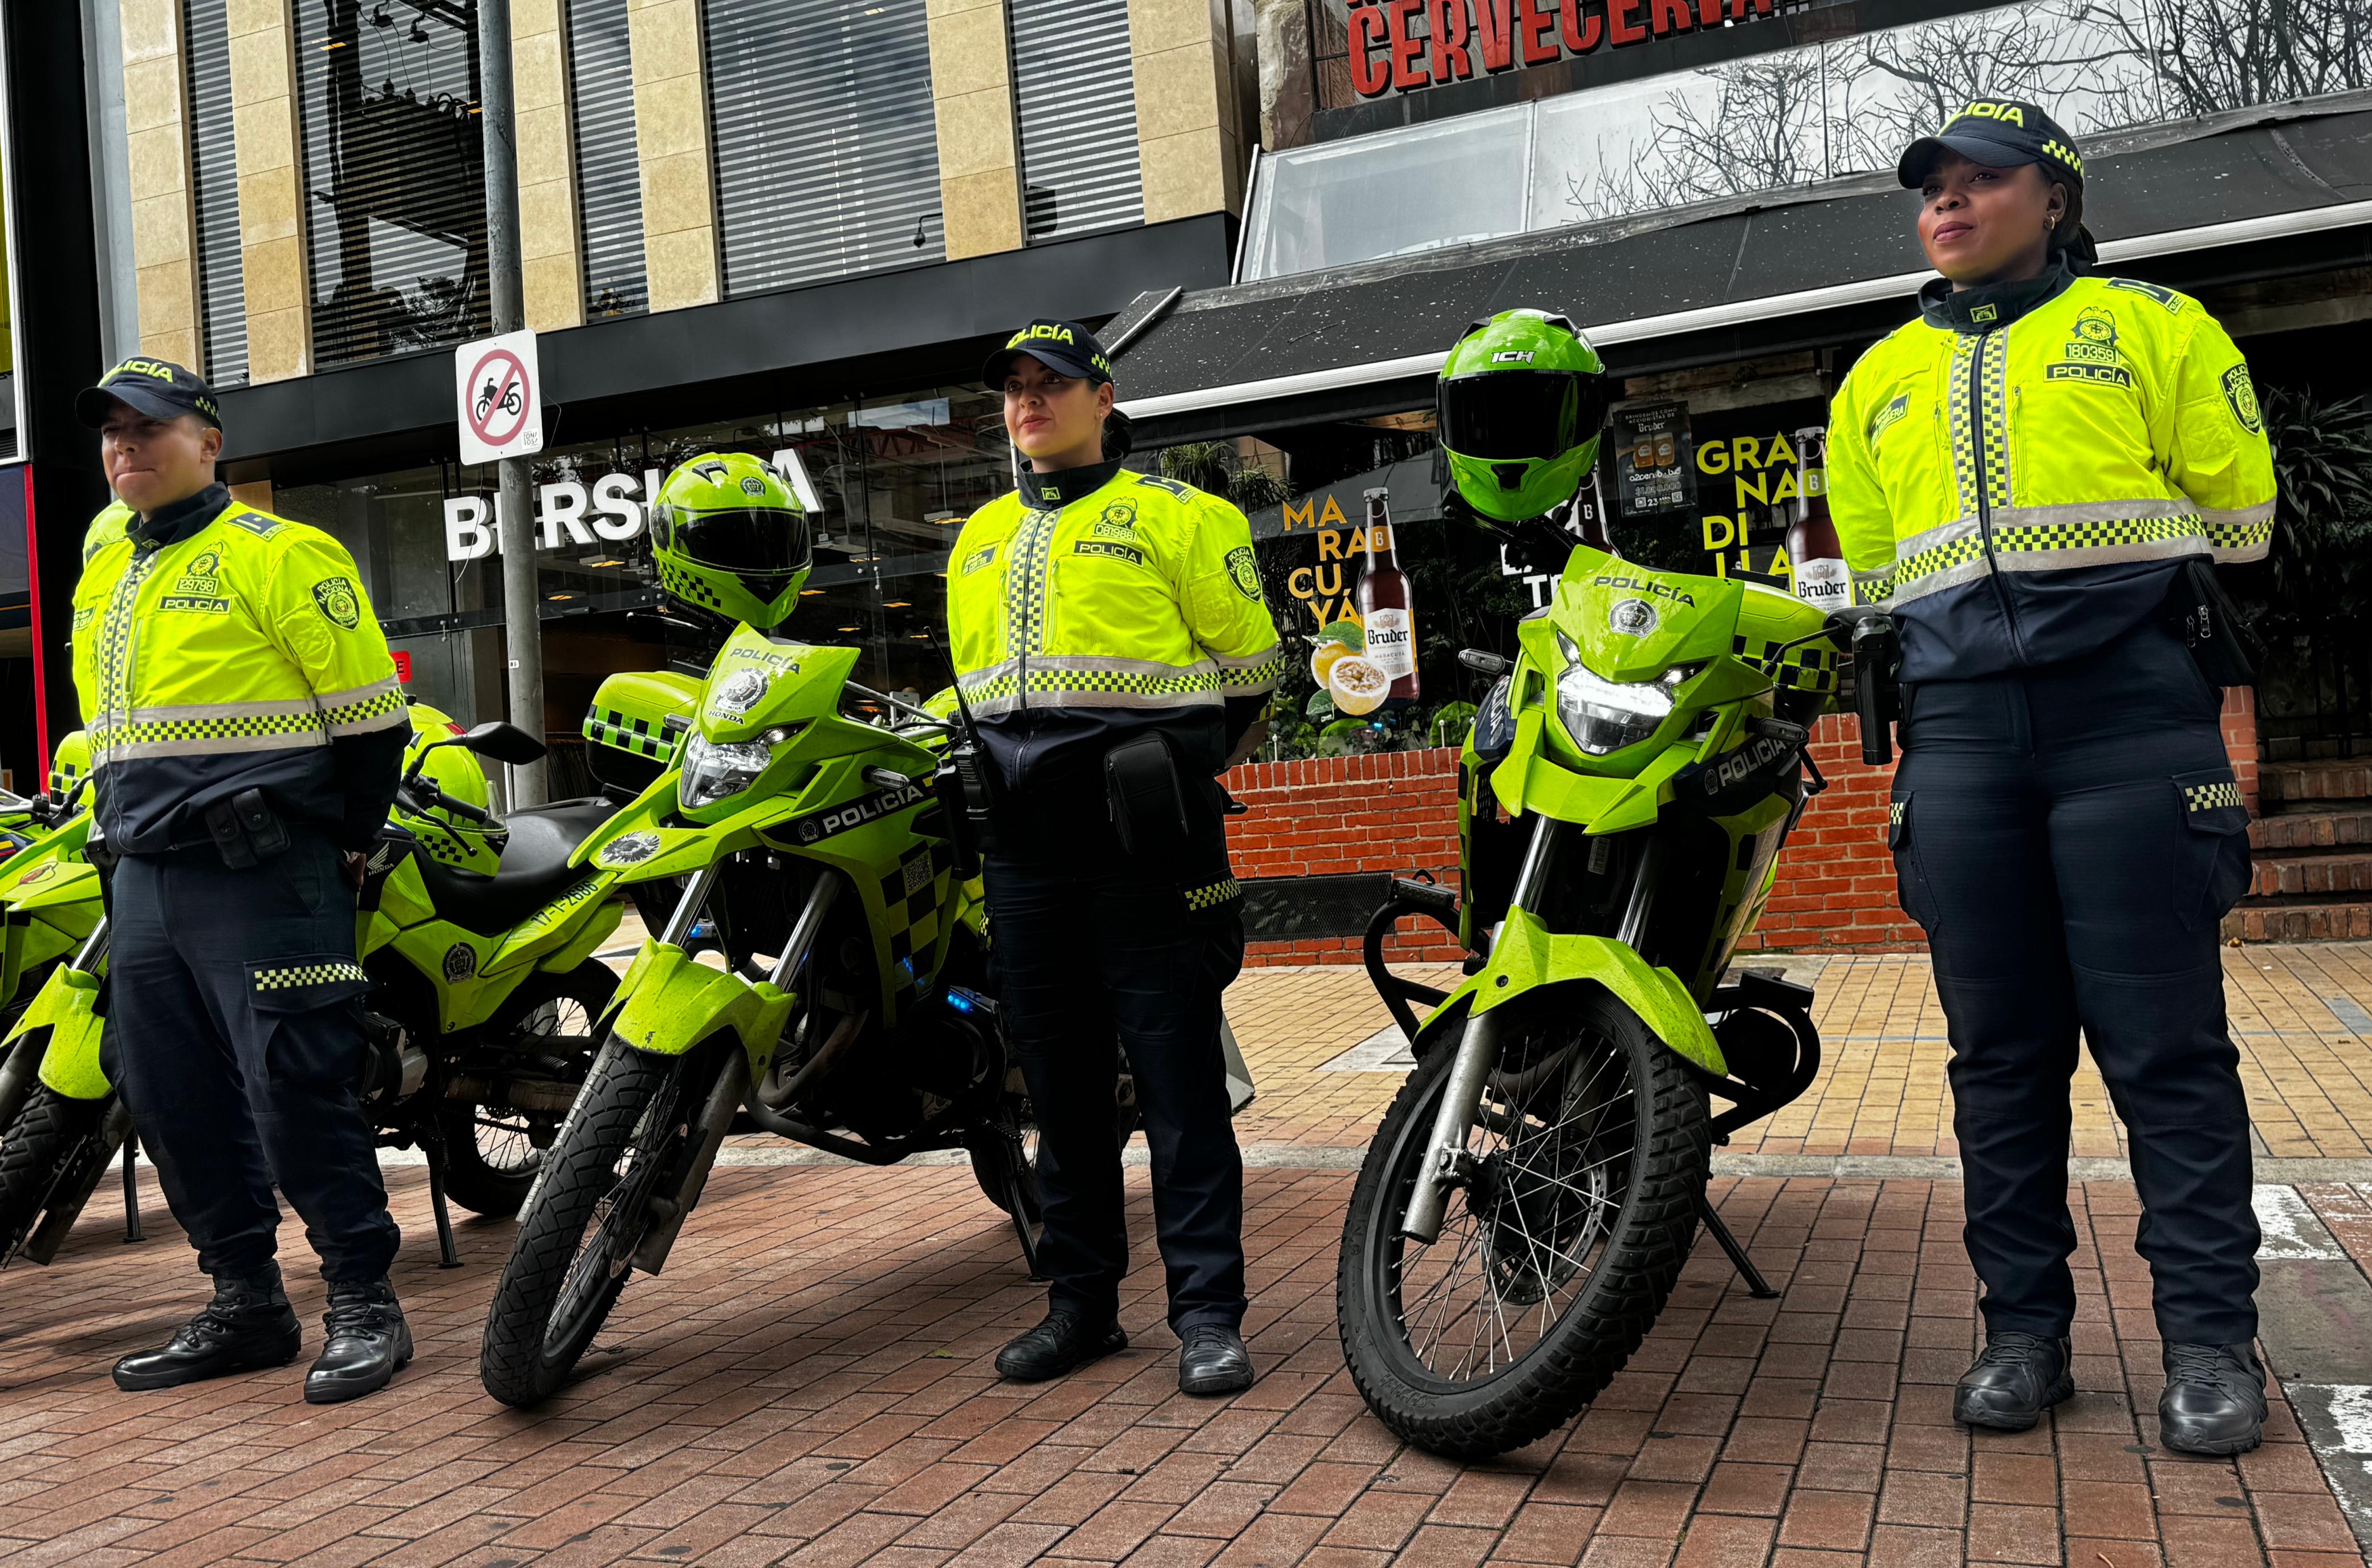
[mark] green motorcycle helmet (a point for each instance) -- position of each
(1518, 410)
(727, 535)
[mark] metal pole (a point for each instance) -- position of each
(522, 627)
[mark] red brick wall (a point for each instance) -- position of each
(1398, 813)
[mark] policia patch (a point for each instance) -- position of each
(335, 598)
(1245, 570)
(2241, 393)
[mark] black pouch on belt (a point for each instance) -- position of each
(2199, 612)
(246, 831)
(1148, 806)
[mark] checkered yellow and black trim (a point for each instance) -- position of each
(2240, 540)
(2095, 535)
(1213, 895)
(370, 709)
(2055, 148)
(116, 740)
(2211, 797)
(1894, 812)
(1809, 668)
(687, 587)
(914, 899)
(1026, 574)
(1251, 677)
(1077, 683)
(607, 726)
(295, 976)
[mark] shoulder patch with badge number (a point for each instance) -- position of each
(335, 597)
(2241, 393)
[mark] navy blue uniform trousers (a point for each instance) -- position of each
(1093, 953)
(235, 1024)
(2070, 838)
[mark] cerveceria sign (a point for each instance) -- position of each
(1402, 45)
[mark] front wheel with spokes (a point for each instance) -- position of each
(577, 1237)
(1586, 1162)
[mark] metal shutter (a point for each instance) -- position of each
(395, 188)
(609, 180)
(1076, 91)
(214, 172)
(826, 148)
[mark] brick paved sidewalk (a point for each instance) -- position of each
(811, 1384)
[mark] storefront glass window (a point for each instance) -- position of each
(1788, 117)
(609, 176)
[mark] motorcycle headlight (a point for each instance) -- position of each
(1605, 716)
(716, 769)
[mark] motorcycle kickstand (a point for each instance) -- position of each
(1756, 1285)
(448, 1255)
(132, 1231)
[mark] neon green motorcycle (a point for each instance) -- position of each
(478, 934)
(50, 904)
(1532, 1193)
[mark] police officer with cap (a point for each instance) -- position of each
(247, 735)
(1113, 640)
(2038, 477)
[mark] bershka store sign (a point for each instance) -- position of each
(610, 509)
(1404, 45)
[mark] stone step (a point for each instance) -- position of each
(2332, 781)
(2300, 922)
(2281, 875)
(2305, 831)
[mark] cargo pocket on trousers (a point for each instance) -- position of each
(2211, 859)
(1909, 882)
(305, 1007)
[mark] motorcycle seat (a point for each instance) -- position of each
(534, 871)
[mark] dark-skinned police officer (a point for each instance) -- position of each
(2038, 475)
(247, 734)
(1111, 639)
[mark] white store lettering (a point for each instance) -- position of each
(566, 509)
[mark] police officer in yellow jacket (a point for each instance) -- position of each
(1111, 638)
(2037, 476)
(247, 734)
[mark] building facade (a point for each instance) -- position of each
(786, 227)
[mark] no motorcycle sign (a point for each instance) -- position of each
(498, 397)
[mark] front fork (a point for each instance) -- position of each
(1448, 1164)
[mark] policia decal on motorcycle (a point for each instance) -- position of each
(1532, 1193)
(243, 763)
(2066, 824)
(1112, 643)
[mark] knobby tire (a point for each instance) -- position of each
(40, 1144)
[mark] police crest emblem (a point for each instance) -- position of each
(336, 599)
(1245, 571)
(2241, 393)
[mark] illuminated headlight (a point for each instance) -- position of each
(1605, 716)
(714, 769)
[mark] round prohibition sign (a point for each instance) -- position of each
(497, 406)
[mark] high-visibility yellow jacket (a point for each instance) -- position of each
(2020, 472)
(218, 649)
(1108, 601)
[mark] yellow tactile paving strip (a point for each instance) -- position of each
(1883, 1089)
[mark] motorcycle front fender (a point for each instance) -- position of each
(70, 1066)
(1526, 956)
(668, 1003)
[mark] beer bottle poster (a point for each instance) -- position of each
(1655, 467)
(1748, 475)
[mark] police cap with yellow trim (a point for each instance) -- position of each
(1998, 134)
(157, 387)
(1062, 345)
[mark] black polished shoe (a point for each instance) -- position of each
(249, 1324)
(1213, 1360)
(2015, 1379)
(2214, 1399)
(369, 1343)
(1063, 1343)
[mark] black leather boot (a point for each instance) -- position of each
(1212, 1360)
(368, 1343)
(2015, 1378)
(1063, 1343)
(2214, 1399)
(249, 1324)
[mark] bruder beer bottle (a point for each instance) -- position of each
(1822, 578)
(1384, 610)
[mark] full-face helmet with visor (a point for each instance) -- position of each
(728, 535)
(1519, 408)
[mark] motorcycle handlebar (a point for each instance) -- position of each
(418, 795)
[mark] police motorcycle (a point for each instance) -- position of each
(1532, 1193)
(819, 971)
(478, 936)
(48, 903)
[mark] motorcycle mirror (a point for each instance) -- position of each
(1483, 662)
(503, 743)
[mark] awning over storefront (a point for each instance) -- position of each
(2258, 193)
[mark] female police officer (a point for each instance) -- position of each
(1112, 640)
(2035, 475)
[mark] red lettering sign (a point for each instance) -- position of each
(1582, 33)
(1670, 16)
(1495, 25)
(1622, 24)
(1408, 53)
(1737, 8)
(1534, 31)
(403, 665)
(1369, 76)
(1451, 57)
